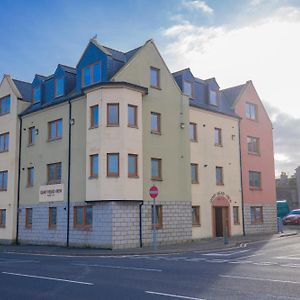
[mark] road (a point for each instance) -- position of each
(259, 271)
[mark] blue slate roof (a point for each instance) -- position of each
(232, 93)
(25, 89)
(68, 69)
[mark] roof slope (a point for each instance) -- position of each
(25, 89)
(232, 93)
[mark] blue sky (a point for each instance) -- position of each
(232, 40)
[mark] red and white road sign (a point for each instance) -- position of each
(153, 191)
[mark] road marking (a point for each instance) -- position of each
(241, 262)
(259, 279)
(47, 278)
(287, 257)
(291, 265)
(217, 260)
(18, 261)
(119, 267)
(265, 263)
(173, 295)
(225, 253)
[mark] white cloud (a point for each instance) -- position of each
(265, 51)
(199, 5)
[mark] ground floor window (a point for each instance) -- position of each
(159, 216)
(196, 216)
(2, 218)
(256, 215)
(83, 216)
(52, 217)
(236, 216)
(28, 220)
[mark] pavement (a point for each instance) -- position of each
(197, 245)
(264, 269)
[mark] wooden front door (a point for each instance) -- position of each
(221, 221)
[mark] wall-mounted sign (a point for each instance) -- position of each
(50, 193)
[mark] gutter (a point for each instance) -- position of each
(19, 181)
(241, 172)
(69, 171)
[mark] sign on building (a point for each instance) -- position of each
(49, 193)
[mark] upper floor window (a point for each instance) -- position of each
(37, 94)
(154, 77)
(113, 114)
(54, 173)
(132, 115)
(3, 180)
(193, 132)
(254, 180)
(55, 130)
(219, 176)
(156, 173)
(4, 142)
(113, 165)
(188, 88)
(94, 166)
(253, 145)
(155, 122)
(31, 135)
(59, 87)
(218, 137)
(91, 74)
(251, 111)
(213, 98)
(2, 218)
(30, 176)
(5, 105)
(132, 165)
(94, 116)
(236, 217)
(194, 173)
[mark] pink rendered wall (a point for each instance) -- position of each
(264, 163)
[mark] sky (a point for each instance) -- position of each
(232, 40)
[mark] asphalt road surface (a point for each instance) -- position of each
(259, 271)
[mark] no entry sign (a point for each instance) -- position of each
(153, 192)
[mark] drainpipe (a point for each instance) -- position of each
(242, 190)
(19, 181)
(69, 172)
(141, 231)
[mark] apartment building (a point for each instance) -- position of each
(15, 96)
(257, 158)
(95, 138)
(215, 164)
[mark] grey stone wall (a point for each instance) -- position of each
(269, 217)
(115, 225)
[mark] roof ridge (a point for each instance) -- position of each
(232, 87)
(21, 80)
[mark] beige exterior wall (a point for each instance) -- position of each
(121, 139)
(9, 160)
(172, 145)
(208, 156)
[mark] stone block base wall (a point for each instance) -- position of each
(269, 224)
(116, 224)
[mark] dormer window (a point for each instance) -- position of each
(37, 94)
(59, 87)
(91, 74)
(213, 98)
(188, 88)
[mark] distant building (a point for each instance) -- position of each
(287, 187)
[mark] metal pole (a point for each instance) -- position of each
(154, 226)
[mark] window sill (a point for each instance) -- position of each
(218, 145)
(54, 139)
(113, 125)
(156, 179)
(196, 225)
(83, 228)
(133, 126)
(4, 151)
(194, 141)
(52, 227)
(155, 132)
(93, 127)
(220, 184)
(257, 223)
(255, 189)
(93, 177)
(155, 87)
(254, 153)
(113, 176)
(133, 176)
(29, 186)
(195, 182)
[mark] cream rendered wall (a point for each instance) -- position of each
(121, 139)
(9, 160)
(204, 152)
(172, 145)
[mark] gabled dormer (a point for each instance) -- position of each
(92, 66)
(37, 88)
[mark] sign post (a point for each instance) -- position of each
(153, 194)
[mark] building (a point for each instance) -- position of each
(91, 140)
(257, 159)
(214, 146)
(287, 189)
